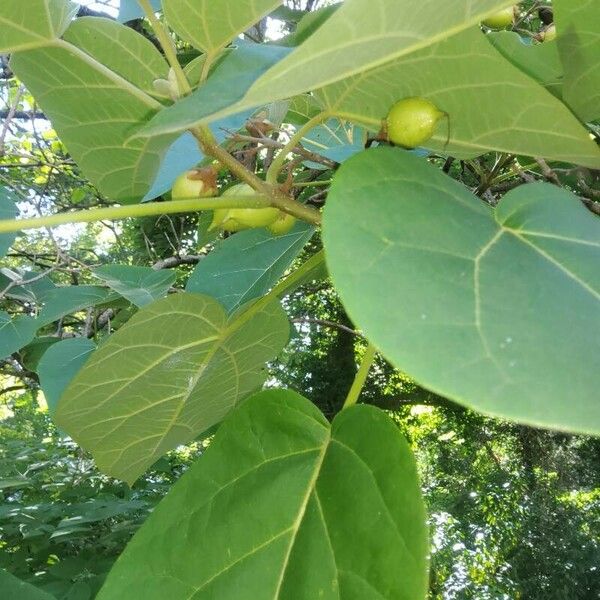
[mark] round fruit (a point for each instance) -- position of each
(282, 224)
(411, 121)
(549, 34)
(503, 18)
(197, 183)
(236, 219)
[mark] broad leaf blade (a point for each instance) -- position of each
(174, 370)
(139, 285)
(15, 333)
(65, 300)
(210, 25)
(312, 511)
(539, 61)
(364, 34)
(247, 265)
(95, 110)
(491, 104)
(60, 364)
(121, 49)
(578, 27)
(500, 314)
(13, 588)
(32, 24)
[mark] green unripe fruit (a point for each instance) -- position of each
(503, 18)
(197, 183)
(411, 121)
(282, 224)
(236, 219)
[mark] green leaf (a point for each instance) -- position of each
(311, 511)
(12, 588)
(140, 285)
(94, 109)
(15, 333)
(539, 61)
(137, 60)
(209, 25)
(176, 368)
(491, 104)
(8, 210)
(498, 310)
(31, 354)
(65, 300)
(31, 24)
(221, 93)
(364, 34)
(336, 140)
(59, 364)
(578, 28)
(247, 265)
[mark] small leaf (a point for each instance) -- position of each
(13, 588)
(139, 285)
(283, 505)
(247, 265)
(209, 25)
(59, 365)
(176, 368)
(31, 24)
(336, 140)
(498, 310)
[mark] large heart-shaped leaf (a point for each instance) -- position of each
(175, 369)
(32, 24)
(491, 104)
(364, 34)
(283, 505)
(247, 265)
(94, 108)
(578, 26)
(498, 310)
(210, 25)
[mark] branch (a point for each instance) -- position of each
(175, 261)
